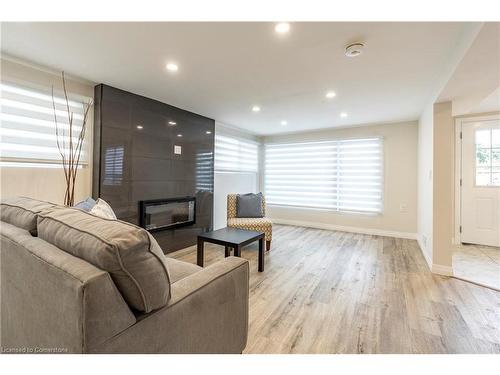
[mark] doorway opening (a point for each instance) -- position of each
(476, 255)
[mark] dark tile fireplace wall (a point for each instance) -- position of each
(132, 164)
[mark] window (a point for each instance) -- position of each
(236, 155)
(27, 129)
(488, 157)
(341, 175)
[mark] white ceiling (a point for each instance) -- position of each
(226, 68)
(474, 86)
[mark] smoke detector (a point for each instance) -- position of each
(354, 49)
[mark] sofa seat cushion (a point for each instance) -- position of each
(22, 212)
(178, 270)
(130, 254)
(262, 224)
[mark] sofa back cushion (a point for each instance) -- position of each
(22, 212)
(130, 254)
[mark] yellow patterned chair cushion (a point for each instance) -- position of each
(261, 224)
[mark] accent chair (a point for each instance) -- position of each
(261, 224)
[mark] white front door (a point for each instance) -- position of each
(480, 206)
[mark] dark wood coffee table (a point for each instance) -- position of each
(231, 238)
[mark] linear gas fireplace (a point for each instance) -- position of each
(160, 214)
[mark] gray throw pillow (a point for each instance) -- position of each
(249, 205)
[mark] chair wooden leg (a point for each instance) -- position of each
(268, 245)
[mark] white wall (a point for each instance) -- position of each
(44, 183)
(400, 180)
(228, 183)
(231, 182)
(425, 183)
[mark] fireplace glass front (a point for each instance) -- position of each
(161, 214)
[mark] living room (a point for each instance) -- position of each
(263, 187)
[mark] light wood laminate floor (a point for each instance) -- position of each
(335, 292)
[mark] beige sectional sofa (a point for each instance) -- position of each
(72, 282)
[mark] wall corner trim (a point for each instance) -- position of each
(372, 231)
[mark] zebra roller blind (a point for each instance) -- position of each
(342, 175)
(236, 155)
(27, 129)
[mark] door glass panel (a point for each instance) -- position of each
(495, 179)
(487, 157)
(482, 179)
(495, 157)
(483, 157)
(483, 169)
(483, 138)
(495, 138)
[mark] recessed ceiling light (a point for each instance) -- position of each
(172, 67)
(208, 132)
(284, 122)
(282, 27)
(172, 123)
(139, 127)
(343, 114)
(179, 135)
(331, 94)
(256, 108)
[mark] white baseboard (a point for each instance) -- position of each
(434, 268)
(442, 270)
(377, 232)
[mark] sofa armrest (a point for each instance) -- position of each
(207, 313)
(196, 282)
(52, 299)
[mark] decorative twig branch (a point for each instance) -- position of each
(70, 151)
